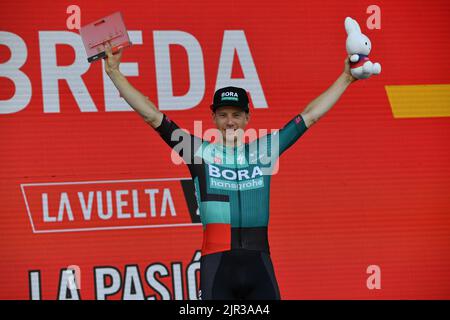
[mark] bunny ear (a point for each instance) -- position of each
(351, 26)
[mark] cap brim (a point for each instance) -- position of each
(214, 107)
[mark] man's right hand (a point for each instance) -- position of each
(140, 103)
(112, 60)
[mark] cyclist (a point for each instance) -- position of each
(232, 182)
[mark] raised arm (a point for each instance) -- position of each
(317, 108)
(140, 103)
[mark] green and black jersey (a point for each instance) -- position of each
(232, 184)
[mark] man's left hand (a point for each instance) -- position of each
(347, 70)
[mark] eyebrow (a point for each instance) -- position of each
(234, 113)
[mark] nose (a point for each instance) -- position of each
(230, 123)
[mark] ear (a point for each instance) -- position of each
(351, 26)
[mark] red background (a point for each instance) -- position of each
(359, 188)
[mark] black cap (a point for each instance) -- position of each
(230, 96)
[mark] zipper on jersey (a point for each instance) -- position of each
(239, 202)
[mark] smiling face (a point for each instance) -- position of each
(228, 120)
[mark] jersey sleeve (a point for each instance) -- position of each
(183, 143)
(271, 146)
(291, 132)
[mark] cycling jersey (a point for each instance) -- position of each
(232, 184)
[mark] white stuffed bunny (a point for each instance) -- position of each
(358, 46)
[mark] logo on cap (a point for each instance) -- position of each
(229, 95)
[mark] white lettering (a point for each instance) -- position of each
(214, 171)
(45, 213)
(72, 74)
(167, 199)
(68, 286)
(177, 281)
(150, 276)
(86, 209)
(101, 214)
(35, 285)
(52, 73)
(235, 41)
(11, 69)
(136, 212)
(132, 283)
(102, 290)
(243, 174)
(256, 172)
(229, 174)
(64, 205)
(113, 101)
(166, 99)
(151, 193)
(121, 203)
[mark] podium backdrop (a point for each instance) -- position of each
(360, 207)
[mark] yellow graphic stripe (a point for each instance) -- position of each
(419, 101)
